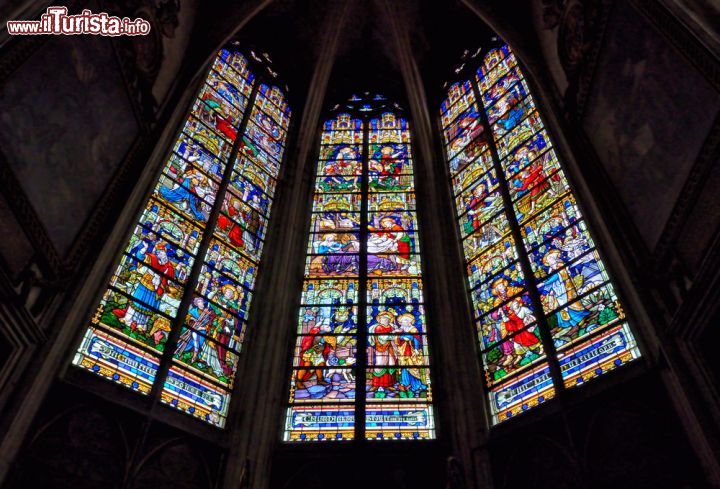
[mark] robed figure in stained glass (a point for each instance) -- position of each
(560, 290)
(514, 317)
(188, 191)
(314, 350)
(382, 355)
(150, 288)
(409, 349)
(397, 239)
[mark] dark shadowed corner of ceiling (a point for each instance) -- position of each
(292, 33)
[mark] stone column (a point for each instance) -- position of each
(264, 376)
(459, 398)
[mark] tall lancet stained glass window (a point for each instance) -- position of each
(547, 315)
(361, 363)
(178, 300)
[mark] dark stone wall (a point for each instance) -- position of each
(66, 125)
(626, 437)
(647, 97)
(648, 114)
(79, 440)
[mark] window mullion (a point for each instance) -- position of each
(177, 324)
(362, 341)
(523, 259)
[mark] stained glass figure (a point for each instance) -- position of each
(362, 371)
(182, 289)
(538, 286)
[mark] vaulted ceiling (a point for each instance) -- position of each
(293, 32)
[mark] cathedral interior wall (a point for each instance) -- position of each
(632, 86)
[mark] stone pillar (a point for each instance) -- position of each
(263, 379)
(459, 398)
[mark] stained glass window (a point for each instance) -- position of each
(179, 298)
(361, 364)
(547, 315)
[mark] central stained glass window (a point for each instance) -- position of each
(360, 364)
